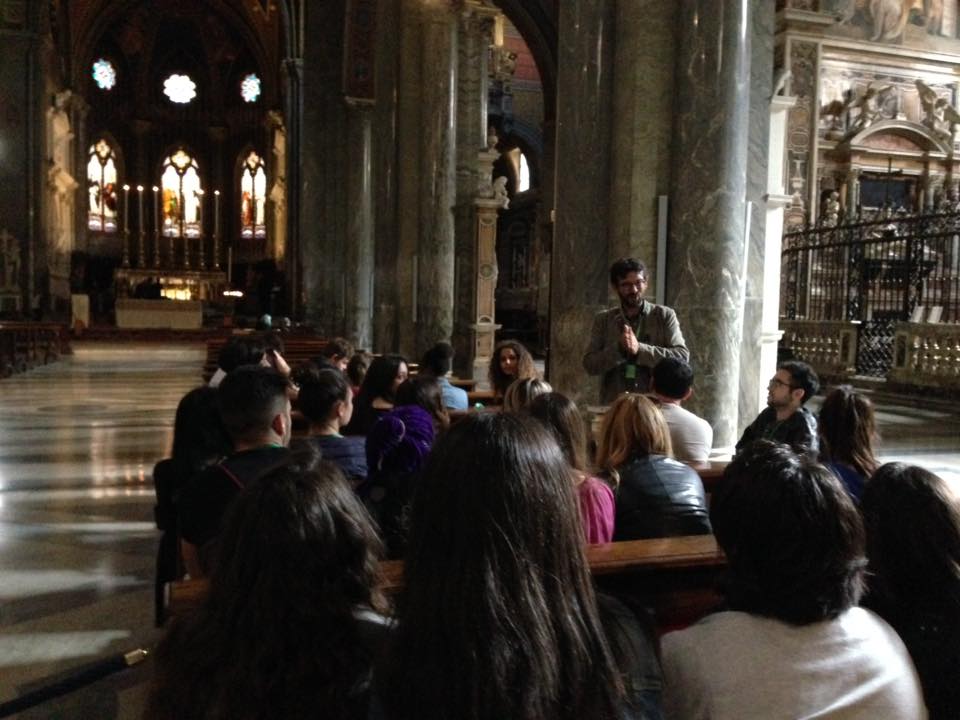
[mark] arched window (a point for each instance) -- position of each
(253, 193)
(102, 187)
(182, 196)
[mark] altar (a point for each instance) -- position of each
(167, 298)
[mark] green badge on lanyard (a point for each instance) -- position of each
(631, 371)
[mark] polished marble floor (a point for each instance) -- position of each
(78, 440)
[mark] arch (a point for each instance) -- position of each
(919, 135)
(103, 172)
(252, 191)
(181, 190)
(536, 21)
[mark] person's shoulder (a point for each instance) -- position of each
(607, 313)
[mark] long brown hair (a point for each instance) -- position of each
(632, 426)
(499, 382)
(562, 417)
(848, 430)
(498, 617)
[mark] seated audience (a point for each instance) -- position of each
(510, 361)
(327, 403)
(377, 394)
(656, 495)
(255, 410)
(357, 370)
(785, 419)
(690, 435)
(397, 447)
(913, 544)
(199, 440)
(437, 362)
(498, 618)
(562, 417)
(425, 391)
(260, 349)
(292, 622)
(336, 354)
(848, 432)
(521, 392)
(791, 643)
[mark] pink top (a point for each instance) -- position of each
(596, 510)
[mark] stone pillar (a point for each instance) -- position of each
(707, 253)
(755, 347)
(578, 278)
(359, 250)
(435, 250)
(475, 30)
(385, 179)
(293, 114)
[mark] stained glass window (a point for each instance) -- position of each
(250, 88)
(104, 74)
(182, 196)
(180, 88)
(253, 193)
(102, 187)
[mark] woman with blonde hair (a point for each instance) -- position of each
(656, 495)
(523, 392)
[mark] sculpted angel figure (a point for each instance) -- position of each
(938, 114)
(871, 105)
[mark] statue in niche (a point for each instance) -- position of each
(890, 17)
(938, 114)
(837, 115)
(831, 209)
(500, 192)
(871, 106)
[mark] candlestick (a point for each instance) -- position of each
(216, 212)
(156, 226)
(229, 263)
(200, 259)
(141, 231)
(126, 208)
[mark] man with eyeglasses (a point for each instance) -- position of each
(785, 420)
(629, 339)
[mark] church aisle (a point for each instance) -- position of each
(78, 440)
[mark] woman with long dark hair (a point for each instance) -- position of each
(498, 617)
(291, 622)
(378, 393)
(326, 401)
(913, 546)
(848, 434)
(562, 417)
(510, 361)
(199, 440)
(656, 495)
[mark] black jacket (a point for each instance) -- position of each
(799, 431)
(659, 497)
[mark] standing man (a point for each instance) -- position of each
(628, 340)
(785, 420)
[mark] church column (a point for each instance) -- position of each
(707, 253)
(476, 27)
(435, 250)
(359, 290)
(293, 116)
(578, 279)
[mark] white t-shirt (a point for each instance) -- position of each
(734, 665)
(690, 435)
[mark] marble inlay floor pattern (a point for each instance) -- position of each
(78, 440)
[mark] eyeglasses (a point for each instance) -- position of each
(774, 382)
(626, 284)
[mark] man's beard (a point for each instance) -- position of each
(630, 301)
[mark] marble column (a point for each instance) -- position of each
(475, 33)
(437, 177)
(579, 262)
(359, 255)
(293, 115)
(385, 180)
(709, 236)
(755, 344)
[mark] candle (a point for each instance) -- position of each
(126, 208)
(156, 209)
(229, 264)
(140, 206)
(200, 194)
(216, 212)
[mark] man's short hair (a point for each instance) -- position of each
(337, 347)
(242, 350)
(793, 538)
(249, 398)
(438, 359)
(673, 378)
(623, 267)
(803, 377)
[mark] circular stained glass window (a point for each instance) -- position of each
(180, 88)
(104, 74)
(250, 88)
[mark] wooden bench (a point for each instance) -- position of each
(297, 348)
(677, 577)
(25, 345)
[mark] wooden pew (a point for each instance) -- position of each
(297, 348)
(24, 345)
(677, 577)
